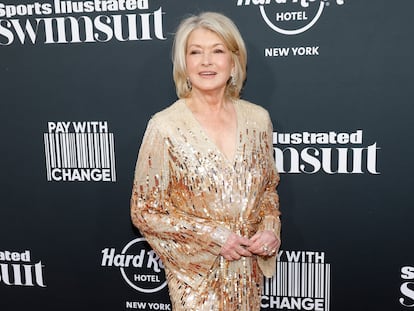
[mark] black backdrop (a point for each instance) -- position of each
(73, 112)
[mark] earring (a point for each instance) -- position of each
(233, 80)
(189, 85)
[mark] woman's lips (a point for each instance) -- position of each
(207, 73)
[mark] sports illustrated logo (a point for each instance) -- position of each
(63, 22)
(407, 287)
(140, 266)
(290, 17)
(79, 151)
(328, 152)
(302, 282)
(18, 269)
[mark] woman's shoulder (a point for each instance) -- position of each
(252, 110)
(170, 113)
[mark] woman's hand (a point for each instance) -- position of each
(235, 247)
(264, 243)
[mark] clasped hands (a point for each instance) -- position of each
(263, 243)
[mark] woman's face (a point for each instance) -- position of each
(208, 60)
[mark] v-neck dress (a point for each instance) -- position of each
(188, 197)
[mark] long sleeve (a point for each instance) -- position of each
(270, 206)
(187, 245)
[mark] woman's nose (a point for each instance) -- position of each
(206, 59)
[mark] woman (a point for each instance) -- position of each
(204, 189)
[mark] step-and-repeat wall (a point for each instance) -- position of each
(79, 81)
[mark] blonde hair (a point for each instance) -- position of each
(228, 32)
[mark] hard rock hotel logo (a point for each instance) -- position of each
(302, 282)
(79, 151)
(139, 265)
(141, 269)
(325, 152)
(290, 17)
(18, 269)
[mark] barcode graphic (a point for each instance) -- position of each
(300, 279)
(79, 151)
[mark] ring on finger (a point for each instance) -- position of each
(272, 252)
(265, 248)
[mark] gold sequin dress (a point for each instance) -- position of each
(187, 197)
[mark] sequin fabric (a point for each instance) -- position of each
(187, 197)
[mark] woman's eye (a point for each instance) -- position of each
(194, 52)
(218, 51)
